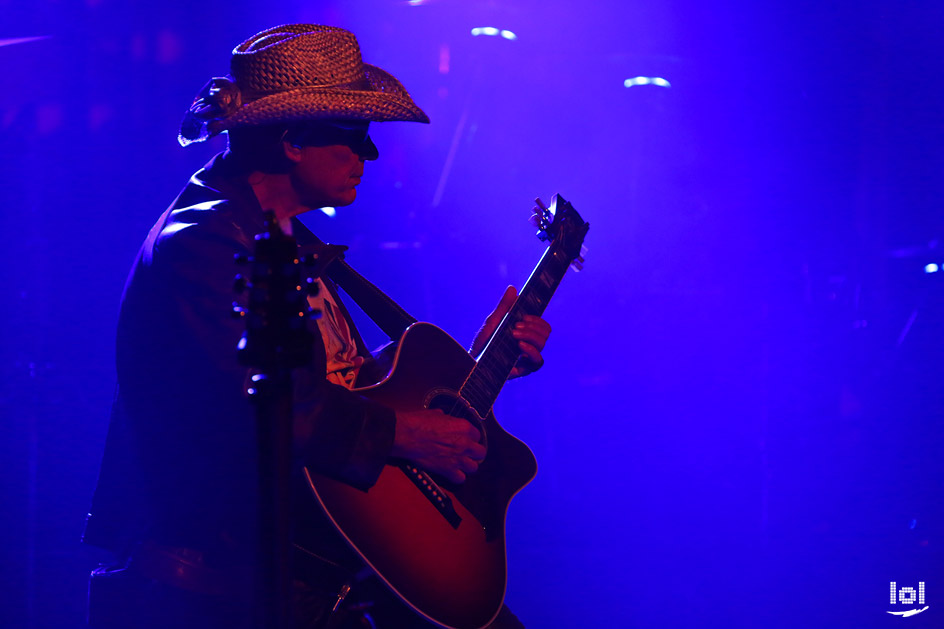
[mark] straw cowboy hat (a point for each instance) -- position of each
(295, 73)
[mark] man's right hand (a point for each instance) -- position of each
(438, 443)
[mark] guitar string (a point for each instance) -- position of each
(492, 364)
(533, 297)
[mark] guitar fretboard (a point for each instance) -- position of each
(483, 385)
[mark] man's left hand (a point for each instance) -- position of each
(532, 333)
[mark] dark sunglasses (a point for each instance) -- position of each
(349, 133)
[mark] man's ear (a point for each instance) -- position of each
(292, 152)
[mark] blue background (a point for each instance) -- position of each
(739, 422)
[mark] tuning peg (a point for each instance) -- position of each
(239, 283)
(314, 313)
(260, 385)
(238, 311)
(312, 287)
(540, 204)
(536, 221)
(579, 261)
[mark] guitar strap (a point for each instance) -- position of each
(380, 307)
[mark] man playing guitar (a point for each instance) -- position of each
(179, 467)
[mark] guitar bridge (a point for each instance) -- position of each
(433, 492)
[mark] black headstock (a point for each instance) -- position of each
(277, 336)
(561, 224)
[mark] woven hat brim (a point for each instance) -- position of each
(386, 101)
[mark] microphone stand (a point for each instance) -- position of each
(276, 341)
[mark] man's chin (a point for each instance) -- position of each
(346, 198)
(339, 201)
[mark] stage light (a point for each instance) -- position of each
(647, 80)
(931, 268)
(21, 40)
(491, 31)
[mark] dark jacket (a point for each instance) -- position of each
(180, 461)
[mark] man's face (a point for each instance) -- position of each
(332, 162)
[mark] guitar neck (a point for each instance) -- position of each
(494, 365)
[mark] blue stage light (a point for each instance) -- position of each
(491, 31)
(647, 80)
(931, 268)
(21, 40)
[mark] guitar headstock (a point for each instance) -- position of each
(276, 336)
(561, 224)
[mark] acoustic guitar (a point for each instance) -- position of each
(440, 546)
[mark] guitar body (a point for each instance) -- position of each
(440, 546)
(450, 569)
